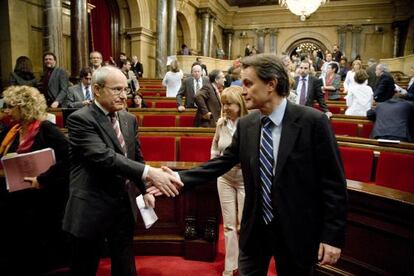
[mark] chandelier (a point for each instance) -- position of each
(302, 8)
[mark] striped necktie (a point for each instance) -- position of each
(115, 125)
(266, 169)
(87, 94)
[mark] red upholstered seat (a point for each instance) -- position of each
(166, 104)
(158, 148)
(59, 120)
(186, 121)
(357, 163)
(152, 93)
(158, 121)
(335, 109)
(396, 170)
(366, 130)
(196, 149)
(345, 128)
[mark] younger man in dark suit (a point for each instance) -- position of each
(81, 94)
(295, 204)
(55, 81)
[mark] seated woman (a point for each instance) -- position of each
(230, 185)
(360, 96)
(331, 82)
(23, 73)
(33, 223)
(138, 101)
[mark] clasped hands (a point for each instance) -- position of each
(163, 181)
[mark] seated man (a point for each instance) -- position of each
(208, 101)
(394, 119)
(80, 95)
(385, 87)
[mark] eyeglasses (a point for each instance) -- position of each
(116, 91)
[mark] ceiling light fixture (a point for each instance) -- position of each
(302, 8)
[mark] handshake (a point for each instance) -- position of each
(161, 181)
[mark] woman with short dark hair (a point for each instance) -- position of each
(23, 73)
(331, 82)
(360, 96)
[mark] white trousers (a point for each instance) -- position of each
(230, 187)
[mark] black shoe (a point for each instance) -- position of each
(190, 232)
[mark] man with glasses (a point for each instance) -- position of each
(81, 94)
(107, 170)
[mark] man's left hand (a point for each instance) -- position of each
(33, 180)
(327, 254)
(329, 114)
(55, 104)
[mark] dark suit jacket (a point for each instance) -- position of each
(58, 85)
(207, 100)
(187, 91)
(99, 170)
(314, 92)
(385, 88)
(138, 69)
(309, 188)
(394, 119)
(75, 97)
(372, 77)
(410, 92)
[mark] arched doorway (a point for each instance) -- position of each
(306, 46)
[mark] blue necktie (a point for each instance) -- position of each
(302, 99)
(266, 169)
(87, 94)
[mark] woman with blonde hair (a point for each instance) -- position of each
(39, 210)
(230, 185)
(350, 76)
(172, 79)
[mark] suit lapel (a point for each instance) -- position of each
(125, 129)
(290, 130)
(253, 132)
(80, 93)
(310, 90)
(106, 125)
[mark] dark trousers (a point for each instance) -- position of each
(269, 241)
(86, 252)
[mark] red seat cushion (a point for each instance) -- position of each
(335, 109)
(357, 163)
(396, 170)
(196, 149)
(158, 121)
(156, 148)
(186, 120)
(59, 120)
(366, 130)
(345, 128)
(165, 104)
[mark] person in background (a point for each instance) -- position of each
(190, 87)
(372, 77)
(343, 68)
(410, 86)
(137, 67)
(208, 100)
(138, 101)
(95, 60)
(172, 79)
(133, 83)
(247, 50)
(236, 77)
(185, 50)
(228, 76)
(331, 82)
(230, 185)
(81, 94)
(23, 73)
(385, 87)
(359, 98)
(35, 220)
(219, 52)
(336, 54)
(54, 81)
(122, 57)
(204, 71)
(350, 76)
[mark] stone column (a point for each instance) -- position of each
(53, 34)
(260, 33)
(228, 33)
(273, 40)
(396, 41)
(79, 36)
(172, 27)
(341, 30)
(356, 41)
(211, 32)
(161, 50)
(205, 37)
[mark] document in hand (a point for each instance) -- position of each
(148, 214)
(18, 166)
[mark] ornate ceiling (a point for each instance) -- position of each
(248, 3)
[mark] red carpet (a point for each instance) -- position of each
(177, 266)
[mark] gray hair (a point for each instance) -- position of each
(371, 61)
(382, 67)
(100, 75)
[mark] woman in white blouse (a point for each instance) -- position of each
(230, 185)
(350, 76)
(172, 79)
(360, 96)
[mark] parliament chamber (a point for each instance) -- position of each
(379, 172)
